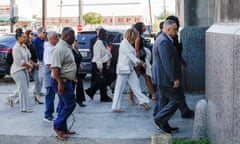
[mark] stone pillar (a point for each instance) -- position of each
(195, 17)
(223, 74)
(195, 12)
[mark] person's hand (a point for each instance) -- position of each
(36, 65)
(176, 84)
(75, 80)
(100, 69)
(81, 66)
(60, 88)
(108, 66)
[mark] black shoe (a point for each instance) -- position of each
(37, 100)
(163, 128)
(173, 129)
(106, 99)
(88, 93)
(81, 104)
(188, 114)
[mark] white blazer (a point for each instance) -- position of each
(126, 56)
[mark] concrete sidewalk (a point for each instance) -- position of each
(95, 124)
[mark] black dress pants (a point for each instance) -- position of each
(168, 104)
(98, 83)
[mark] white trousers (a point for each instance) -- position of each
(22, 80)
(134, 83)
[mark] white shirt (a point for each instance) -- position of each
(101, 54)
(47, 55)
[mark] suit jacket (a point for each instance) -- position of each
(126, 56)
(166, 67)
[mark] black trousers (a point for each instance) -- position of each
(182, 106)
(80, 96)
(99, 81)
(168, 103)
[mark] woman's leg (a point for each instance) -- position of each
(150, 86)
(22, 80)
(119, 87)
(134, 83)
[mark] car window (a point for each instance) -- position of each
(84, 39)
(114, 37)
(8, 40)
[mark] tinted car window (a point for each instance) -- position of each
(8, 40)
(114, 36)
(84, 39)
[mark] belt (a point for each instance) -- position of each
(65, 80)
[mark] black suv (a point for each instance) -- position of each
(86, 40)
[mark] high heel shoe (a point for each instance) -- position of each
(145, 106)
(37, 100)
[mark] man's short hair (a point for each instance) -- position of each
(40, 29)
(168, 23)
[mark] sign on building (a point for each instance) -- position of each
(4, 12)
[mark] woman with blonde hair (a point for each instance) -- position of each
(127, 60)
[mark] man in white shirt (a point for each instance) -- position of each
(47, 58)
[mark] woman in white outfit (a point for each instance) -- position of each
(127, 60)
(19, 70)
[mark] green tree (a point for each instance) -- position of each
(34, 16)
(92, 18)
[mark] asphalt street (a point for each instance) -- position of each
(95, 124)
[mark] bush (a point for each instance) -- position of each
(190, 141)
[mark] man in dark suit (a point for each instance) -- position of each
(186, 112)
(167, 76)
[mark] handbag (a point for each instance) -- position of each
(100, 77)
(124, 69)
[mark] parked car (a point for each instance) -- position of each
(6, 44)
(86, 40)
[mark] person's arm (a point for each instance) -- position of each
(56, 76)
(17, 57)
(167, 59)
(137, 46)
(97, 52)
(126, 46)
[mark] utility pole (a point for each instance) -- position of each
(44, 12)
(80, 16)
(164, 8)
(150, 14)
(12, 2)
(60, 15)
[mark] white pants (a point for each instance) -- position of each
(134, 83)
(22, 80)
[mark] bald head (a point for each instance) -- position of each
(68, 35)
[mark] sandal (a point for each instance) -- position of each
(119, 111)
(27, 111)
(10, 102)
(145, 106)
(131, 101)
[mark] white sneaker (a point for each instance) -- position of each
(47, 120)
